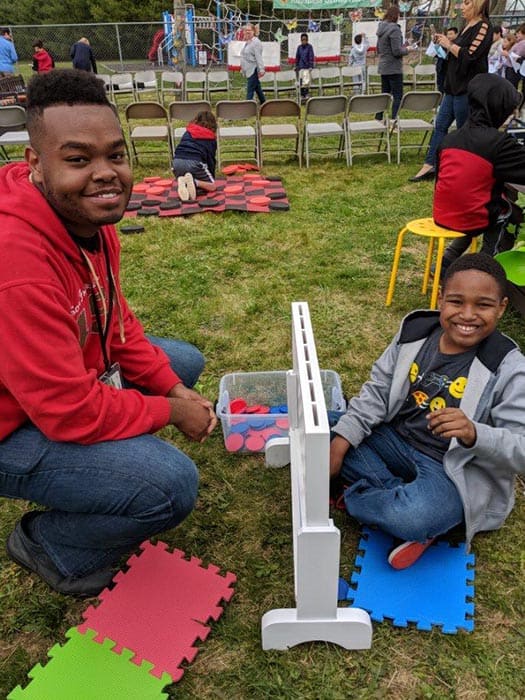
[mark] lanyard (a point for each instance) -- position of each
(103, 331)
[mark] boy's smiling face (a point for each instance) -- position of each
(470, 305)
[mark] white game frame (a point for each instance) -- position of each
(316, 541)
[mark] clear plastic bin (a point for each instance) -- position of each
(248, 432)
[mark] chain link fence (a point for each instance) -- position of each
(127, 46)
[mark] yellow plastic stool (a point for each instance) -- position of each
(427, 228)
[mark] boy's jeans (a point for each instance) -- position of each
(106, 498)
(399, 489)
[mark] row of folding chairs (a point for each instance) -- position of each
(12, 129)
(422, 76)
(171, 85)
(350, 125)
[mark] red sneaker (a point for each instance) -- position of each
(407, 553)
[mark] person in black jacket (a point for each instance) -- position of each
(195, 157)
(82, 56)
(304, 62)
(473, 165)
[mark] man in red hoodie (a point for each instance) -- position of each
(82, 388)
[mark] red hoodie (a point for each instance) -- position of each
(50, 350)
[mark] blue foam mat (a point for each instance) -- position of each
(436, 591)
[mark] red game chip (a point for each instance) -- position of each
(152, 179)
(237, 406)
(260, 201)
(260, 182)
(282, 423)
(232, 189)
(234, 442)
(230, 169)
(251, 176)
(255, 443)
(140, 187)
(164, 183)
(256, 408)
(155, 190)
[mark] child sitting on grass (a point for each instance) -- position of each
(195, 157)
(435, 437)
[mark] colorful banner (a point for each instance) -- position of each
(320, 4)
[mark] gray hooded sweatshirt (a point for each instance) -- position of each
(390, 48)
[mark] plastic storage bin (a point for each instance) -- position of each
(248, 432)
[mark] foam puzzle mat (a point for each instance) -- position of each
(135, 640)
(436, 592)
(249, 192)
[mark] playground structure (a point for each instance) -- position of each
(316, 541)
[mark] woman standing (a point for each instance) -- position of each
(252, 66)
(466, 57)
(390, 49)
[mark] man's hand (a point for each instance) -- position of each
(338, 448)
(452, 423)
(191, 413)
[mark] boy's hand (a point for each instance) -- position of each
(452, 422)
(338, 448)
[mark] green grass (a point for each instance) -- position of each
(225, 282)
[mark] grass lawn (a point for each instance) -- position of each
(225, 282)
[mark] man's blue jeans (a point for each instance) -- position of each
(253, 86)
(451, 108)
(399, 489)
(106, 498)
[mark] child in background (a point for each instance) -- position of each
(42, 60)
(508, 69)
(357, 57)
(495, 58)
(304, 62)
(441, 63)
(195, 157)
(435, 437)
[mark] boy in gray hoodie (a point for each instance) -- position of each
(435, 437)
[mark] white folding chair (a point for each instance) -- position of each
(12, 129)
(364, 132)
(273, 128)
(330, 79)
(353, 79)
(319, 122)
(171, 85)
(413, 102)
(268, 84)
(286, 83)
(218, 81)
(425, 76)
(146, 82)
(373, 79)
(122, 84)
(195, 83)
(157, 131)
(238, 124)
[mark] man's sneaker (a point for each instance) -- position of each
(407, 553)
(182, 189)
(23, 550)
(190, 187)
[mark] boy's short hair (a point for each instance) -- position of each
(38, 44)
(497, 29)
(206, 119)
(61, 87)
(482, 263)
(453, 29)
(304, 35)
(358, 38)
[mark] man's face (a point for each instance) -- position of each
(451, 34)
(470, 307)
(304, 40)
(79, 162)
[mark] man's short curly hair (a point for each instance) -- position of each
(481, 262)
(61, 87)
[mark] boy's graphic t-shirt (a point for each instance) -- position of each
(436, 381)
